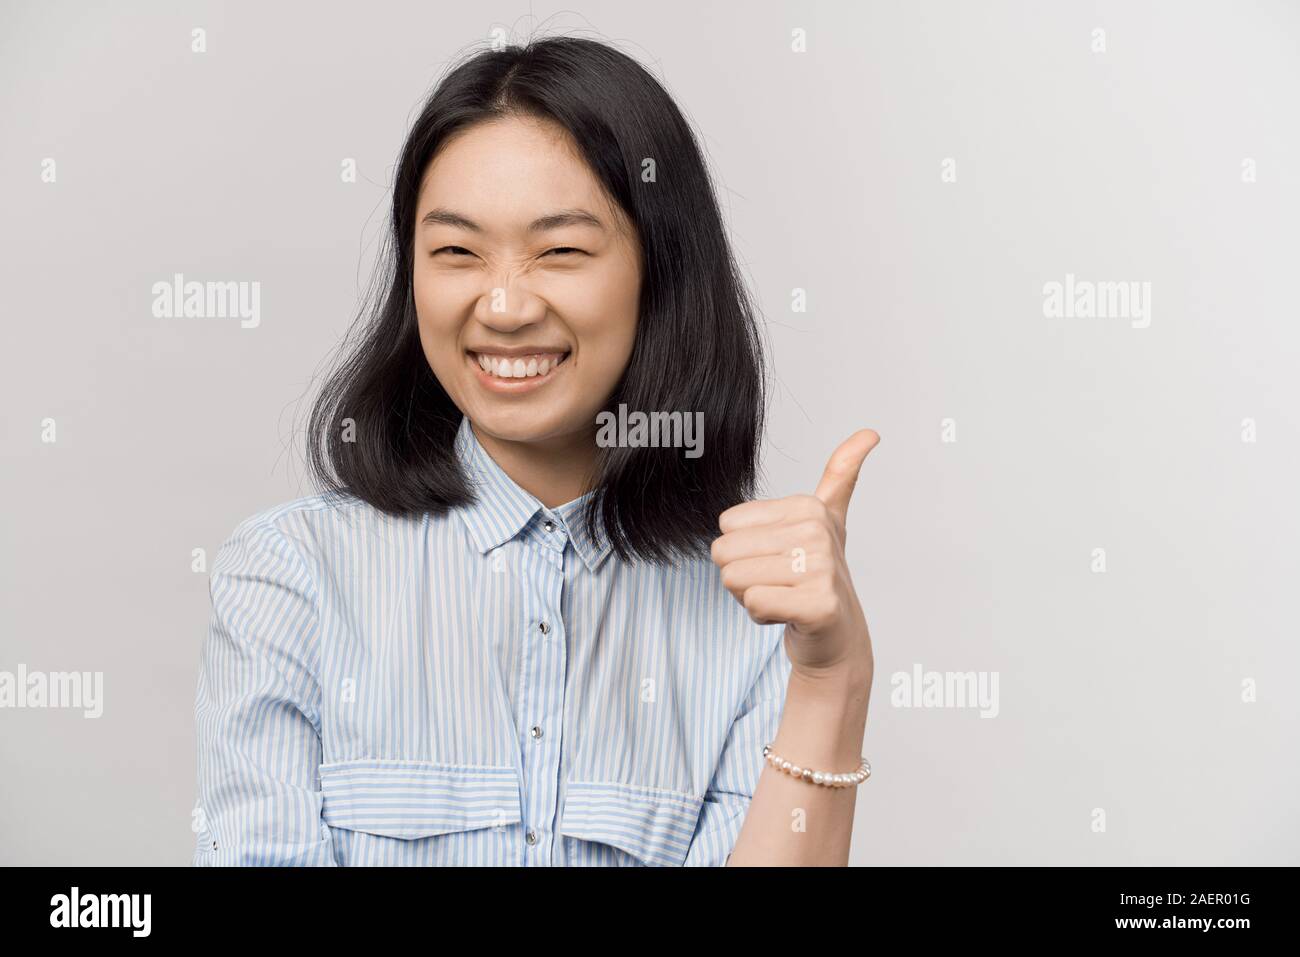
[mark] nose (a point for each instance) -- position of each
(508, 307)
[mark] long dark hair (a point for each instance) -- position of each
(697, 346)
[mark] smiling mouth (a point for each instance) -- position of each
(510, 368)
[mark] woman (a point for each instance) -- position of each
(506, 634)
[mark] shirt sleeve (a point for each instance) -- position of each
(727, 800)
(257, 710)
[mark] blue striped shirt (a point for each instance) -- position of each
(492, 686)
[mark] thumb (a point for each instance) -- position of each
(841, 475)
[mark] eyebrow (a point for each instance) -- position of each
(556, 220)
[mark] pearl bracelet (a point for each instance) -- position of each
(826, 779)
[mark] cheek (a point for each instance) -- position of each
(605, 344)
(606, 316)
(422, 295)
(435, 321)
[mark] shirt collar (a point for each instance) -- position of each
(501, 509)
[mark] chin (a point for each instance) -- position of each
(519, 425)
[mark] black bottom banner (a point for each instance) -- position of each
(1166, 906)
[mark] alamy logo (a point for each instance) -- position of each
(58, 689)
(1084, 299)
(102, 910)
(179, 299)
(638, 430)
(945, 689)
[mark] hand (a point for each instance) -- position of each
(783, 560)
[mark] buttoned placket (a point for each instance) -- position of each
(542, 717)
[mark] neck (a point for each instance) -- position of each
(554, 471)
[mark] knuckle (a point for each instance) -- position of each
(803, 507)
(813, 531)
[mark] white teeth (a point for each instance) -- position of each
(507, 368)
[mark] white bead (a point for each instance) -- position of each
(824, 778)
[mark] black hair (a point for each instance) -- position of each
(697, 346)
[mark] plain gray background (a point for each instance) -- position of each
(1119, 691)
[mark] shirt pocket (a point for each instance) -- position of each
(626, 825)
(414, 813)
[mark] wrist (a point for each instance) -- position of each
(824, 719)
(849, 676)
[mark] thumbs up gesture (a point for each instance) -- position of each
(783, 560)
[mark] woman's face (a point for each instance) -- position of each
(526, 281)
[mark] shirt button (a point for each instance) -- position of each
(546, 629)
(531, 836)
(549, 526)
(535, 731)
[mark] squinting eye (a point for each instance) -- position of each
(562, 250)
(445, 249)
